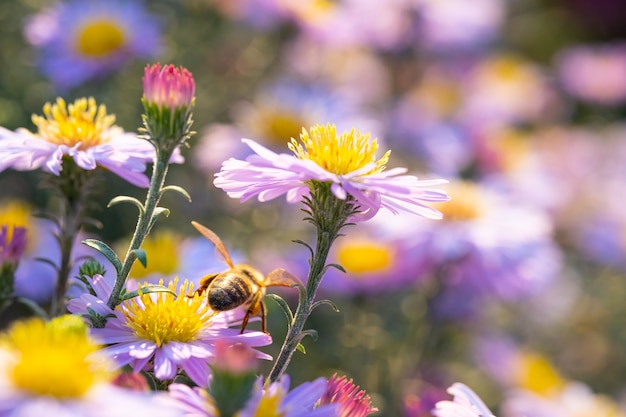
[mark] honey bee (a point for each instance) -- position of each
(240, 285)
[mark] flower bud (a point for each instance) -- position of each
(168, 99)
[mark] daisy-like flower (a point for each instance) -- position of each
(55, 368)
(347, 161)
(277, 400)
(465, 404)
(166, 333)
(80, 41)
(82, 131)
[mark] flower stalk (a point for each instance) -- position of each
(329, 215)
(168, 101)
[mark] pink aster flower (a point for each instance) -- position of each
(164, 333)
(346, 160)
(465, 404)
(82, 131)
(352, 401)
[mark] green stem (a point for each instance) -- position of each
(76, 188)
(144, 223)
(330, 215)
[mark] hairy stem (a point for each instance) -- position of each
(329, 215)
(144, 224)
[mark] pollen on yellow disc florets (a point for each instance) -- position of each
(53, 358)
(83, 122)
(163, 317)
(339, 154)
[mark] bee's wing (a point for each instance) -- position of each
(280, 277)
(209, 234)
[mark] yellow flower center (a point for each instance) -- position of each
(99, 38)
(17, 214)
(339, 154)
(364, 256)
(163, 318)
(162, 254)
(53, 360)
(465, 203)
(538, 375)
(276, 125)
(83, 123)
(269, 406)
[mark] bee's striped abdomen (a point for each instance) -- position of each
(228, 291)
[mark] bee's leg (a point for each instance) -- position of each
(263, 315)
(244, 323)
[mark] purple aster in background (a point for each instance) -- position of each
(594, 73)
(486, 245)
(347, 161)
(84, 40)
(82, 131)
(164, 333)
(465, 404)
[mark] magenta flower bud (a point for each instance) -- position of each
(168, 98)
(168, 86)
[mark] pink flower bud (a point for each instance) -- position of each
(168, 86)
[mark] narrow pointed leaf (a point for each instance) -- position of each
(178, 189)
(301, 348)
(283, 306)
(141, 256)
(105, 250)
(148, 289)
(327, 302)
(127, 199)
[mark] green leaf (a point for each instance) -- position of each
(127, 199)
(178, 189)
(157, 212)
(284, 306)
(33, 306)
(336, 266)
(327, 302)
(147, 289)
(301, 348)
(141, 256)
(106, 250)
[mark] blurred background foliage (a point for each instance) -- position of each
(392, 342)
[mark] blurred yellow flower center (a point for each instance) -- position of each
(538, 375)
(83, 123)
(14, 214)
(339, 154)
(162, 254)
(99, 38)
(275, 125)
(364, 257)
(465, 203)
(53, 360)
(163, 318)
(269, 405)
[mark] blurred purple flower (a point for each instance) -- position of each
(277, 399)
(472, 255)
(594, 73)
(456, 24)
(80, 41)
